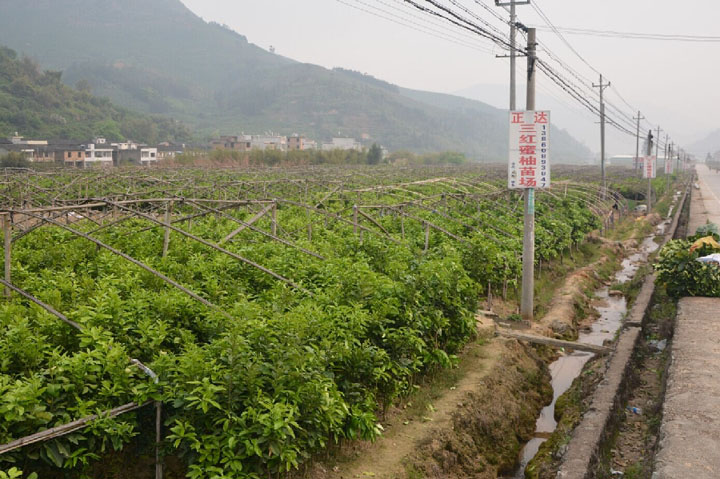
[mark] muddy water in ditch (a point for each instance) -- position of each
(611, 311)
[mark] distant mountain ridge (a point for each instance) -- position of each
(709, 144)
(156, 56)
(38, 105)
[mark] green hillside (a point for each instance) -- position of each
(156, 56)
(37, 104)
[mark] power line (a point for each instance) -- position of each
(412, 25)
(491, 11)
(553, 28)
(634, 35)
(469, 22)
(457, 20)
(405, 9)
(480, 19)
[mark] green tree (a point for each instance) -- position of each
(374, 155)
(14, 160)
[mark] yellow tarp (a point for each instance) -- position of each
(706, 241)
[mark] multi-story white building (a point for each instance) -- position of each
(342, 144)
(269, 142)
(98, 153)
(148, 156)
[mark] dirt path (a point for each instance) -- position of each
(404, 431)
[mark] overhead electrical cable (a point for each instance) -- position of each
(412, 25)
(459, 16)
(634, 35)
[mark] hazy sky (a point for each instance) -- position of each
(674, 84)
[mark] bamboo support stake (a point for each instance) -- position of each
(427, 236)
(142, 265)
(489, 297)
(210, 245)
(310, 228)
(7, 241)
(247, 224)
(555, 343)
(65, 429)
(355, 219)
(166, 239)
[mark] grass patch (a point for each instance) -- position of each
(630, 289)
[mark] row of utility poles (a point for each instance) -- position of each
(528, 270)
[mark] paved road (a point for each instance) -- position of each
(705, 204)
(690, 430)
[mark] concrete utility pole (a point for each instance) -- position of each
(637, 142)
(602, 86)
(513, 55)
(648, 153)
(667, 149)
(528, 279)
(513, 46)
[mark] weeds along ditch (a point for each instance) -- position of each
(283, 311)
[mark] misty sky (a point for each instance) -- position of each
(674, 84)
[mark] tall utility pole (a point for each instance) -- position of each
(513, 55)
(513, 45)
(528, 279)
(602, 86)
(667, 145)
(648, 152)
(637, 142)
(668, 158)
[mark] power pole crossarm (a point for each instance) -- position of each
(512, 4)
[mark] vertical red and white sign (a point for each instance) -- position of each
(650, 167)
(529, 160)
(668, 166)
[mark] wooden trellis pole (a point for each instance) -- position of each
(355, 219)
(142, 265)
(68, 428)
(248, 223)
(427, 236)
(166, 239)
(7, 242)
(216, 247)
(274, 218)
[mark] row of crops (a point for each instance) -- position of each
(284, 314)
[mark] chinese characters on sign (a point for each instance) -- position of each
(668, 166)
(649, 167)
(529, 165)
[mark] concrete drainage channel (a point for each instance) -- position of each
(591, 437)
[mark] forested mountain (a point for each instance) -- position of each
(36, 103)
(156, 56)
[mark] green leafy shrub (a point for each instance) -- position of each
(682, 275)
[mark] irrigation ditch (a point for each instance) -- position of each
(609, 417)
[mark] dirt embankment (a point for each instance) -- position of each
(491, 423)
(473, 429)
